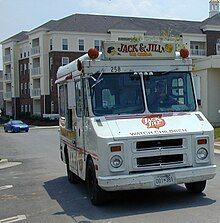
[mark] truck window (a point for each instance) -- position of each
(108, 99)
(62, 101)
(79, 99)
(69, 121)
(178, 89)
(119, 93)
(172, 91)
(64, 111)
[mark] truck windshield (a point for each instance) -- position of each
(171, 91)
(116, 94)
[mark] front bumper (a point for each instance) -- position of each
(147, 180)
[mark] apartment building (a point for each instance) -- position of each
(31, 59)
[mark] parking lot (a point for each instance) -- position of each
(36, 190)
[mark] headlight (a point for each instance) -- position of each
(116, 161)
(202, 153)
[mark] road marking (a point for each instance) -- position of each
(5, 187)
(13, 219)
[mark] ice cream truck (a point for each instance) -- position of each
(129, 119)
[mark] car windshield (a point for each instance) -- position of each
(171, 91)
(116, 94)
(17, 122)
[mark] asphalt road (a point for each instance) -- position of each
(37, 191)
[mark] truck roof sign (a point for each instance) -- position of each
(140, 50)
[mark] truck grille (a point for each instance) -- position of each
(162, 153)
(169, 143)
(160, 160)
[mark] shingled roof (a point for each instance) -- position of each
(18, 37)
(104, 23)
(213, 21)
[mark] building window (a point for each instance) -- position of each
(22, 108)
(20, 52)
(97, 44)
(25, 67)
(26, 108)
(51, 62)
(51, 84)
(21, 67)
(21, 87)
(81, 45)
(51, 44)
(64, 44)
(65, 61)
(52, 107)
(218, 47)
(29, 108)
(25, 88)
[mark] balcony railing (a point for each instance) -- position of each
(8, 95)
(7, 77)
(35, 50)
(7, 58)
(198, 52)
(36, 92)
(35, 71)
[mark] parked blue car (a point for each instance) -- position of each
(16, 126)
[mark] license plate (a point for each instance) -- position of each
(163, 180)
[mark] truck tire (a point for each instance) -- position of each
(96, 193)
(196, 187)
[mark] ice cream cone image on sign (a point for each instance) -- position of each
(111, 50)
(169, 48)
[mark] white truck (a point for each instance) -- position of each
(129, 119)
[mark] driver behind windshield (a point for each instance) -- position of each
(159, 99)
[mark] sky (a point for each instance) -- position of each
(24, 15)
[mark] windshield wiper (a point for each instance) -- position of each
(98, 80)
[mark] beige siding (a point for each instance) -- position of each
(213, 85)
(203, 91)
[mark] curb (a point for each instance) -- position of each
(3, 161)
(217, 146)
(43, 127)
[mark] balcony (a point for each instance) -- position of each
(36, 71)
(35, 50)
(7, 58)
(8, 96)
(36, 92)
(7, 77)
(197, 52)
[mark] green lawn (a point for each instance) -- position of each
(217, 133)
